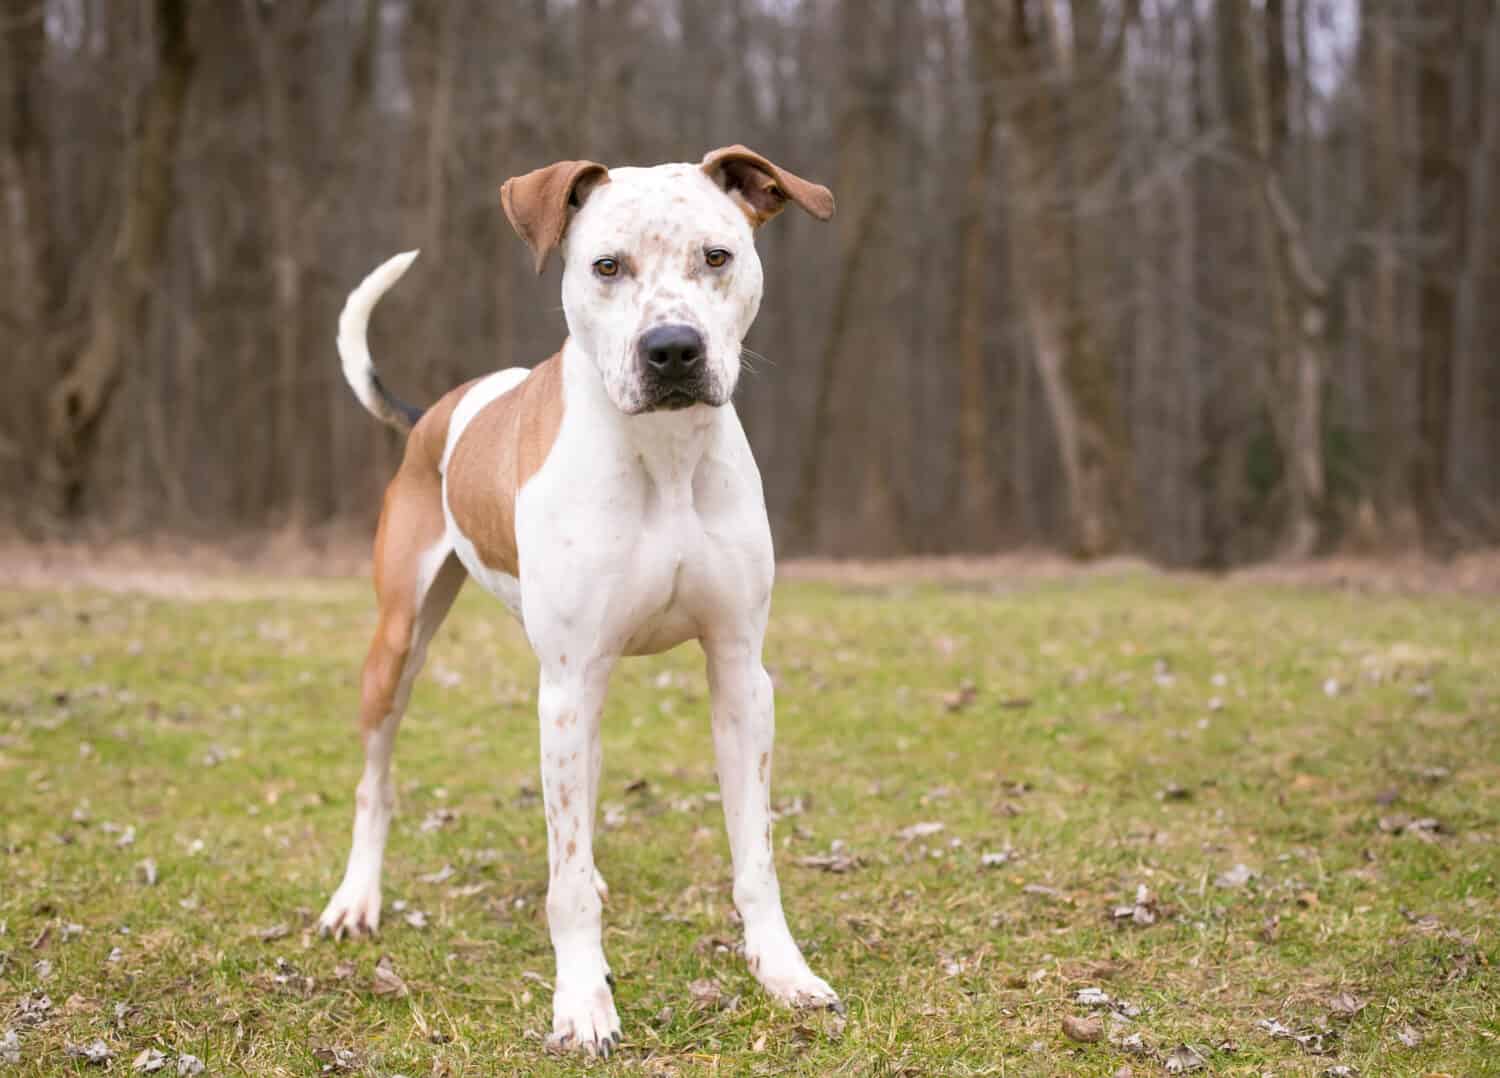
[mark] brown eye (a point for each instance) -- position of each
(717, 257)
(606, 267)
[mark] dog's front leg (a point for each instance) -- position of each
(744, 726)
(583, 1007)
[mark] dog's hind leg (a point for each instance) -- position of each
(417, 577)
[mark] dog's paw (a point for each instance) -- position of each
(352, 911)
(584, 1021)
(791, 982)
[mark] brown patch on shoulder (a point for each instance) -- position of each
(504, 445)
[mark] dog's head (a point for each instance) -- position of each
(660, 276)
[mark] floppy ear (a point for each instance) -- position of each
(539, 204)
(761, 188)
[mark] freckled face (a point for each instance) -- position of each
(656, 248)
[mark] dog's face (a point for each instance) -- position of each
(661, 280)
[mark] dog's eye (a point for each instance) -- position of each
(717, 257)
(607, 267)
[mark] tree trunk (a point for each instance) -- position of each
(1078, 381)
(1442, 200)
(1296, 296)
(119, 304)
(976, 499)
(1473, 447)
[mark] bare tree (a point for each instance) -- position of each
(119, 302)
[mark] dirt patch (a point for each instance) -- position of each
(259, 564)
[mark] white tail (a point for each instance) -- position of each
(354, 348)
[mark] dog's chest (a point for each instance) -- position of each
(636, 555)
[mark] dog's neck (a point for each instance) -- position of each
(669, 444)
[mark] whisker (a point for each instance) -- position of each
(751, 353)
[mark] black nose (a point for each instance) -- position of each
(672, 351)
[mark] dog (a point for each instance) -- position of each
(608, 497)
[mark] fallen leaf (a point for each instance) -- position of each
(188, 1064)
(10, 1048)
(33, 1008)
(919, 830)
(1092, 997)
(706, 994)
(1315, 1042)
(1185, 1058)
(386, 981)
(336, 1060)
(1142, 912)
(1340, 1071)
(837, 863)
(275, 932)
(997, 858)
(95, 1053)
(150, 1060)
(442, 875)
(1236, 877)
(1087, 1030)
(438, 819)
(1345, 1005)
(961, 697)
(1174, 791)
(416, 918)
(1409, 1036)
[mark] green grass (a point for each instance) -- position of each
(222, 732)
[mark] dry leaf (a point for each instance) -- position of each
(386, 981)
(188, 1064)
(1185, 1058)
(1345, 1005)
(1236, 877)
(837, 863)
(442, 875)
(706, 993)
(961, 697)
(1087, 1030)
(96, 1052)
(920, 830)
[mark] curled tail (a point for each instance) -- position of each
(354, 349)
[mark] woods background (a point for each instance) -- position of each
(1211, 281)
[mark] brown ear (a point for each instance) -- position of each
(761, 188)
(540, 203)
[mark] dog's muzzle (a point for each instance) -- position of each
(673, 371)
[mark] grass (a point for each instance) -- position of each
(1121, 734)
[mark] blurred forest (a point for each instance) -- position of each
(1211, 280)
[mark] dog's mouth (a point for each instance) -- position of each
(674, 396)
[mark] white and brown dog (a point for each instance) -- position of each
(609, 498)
